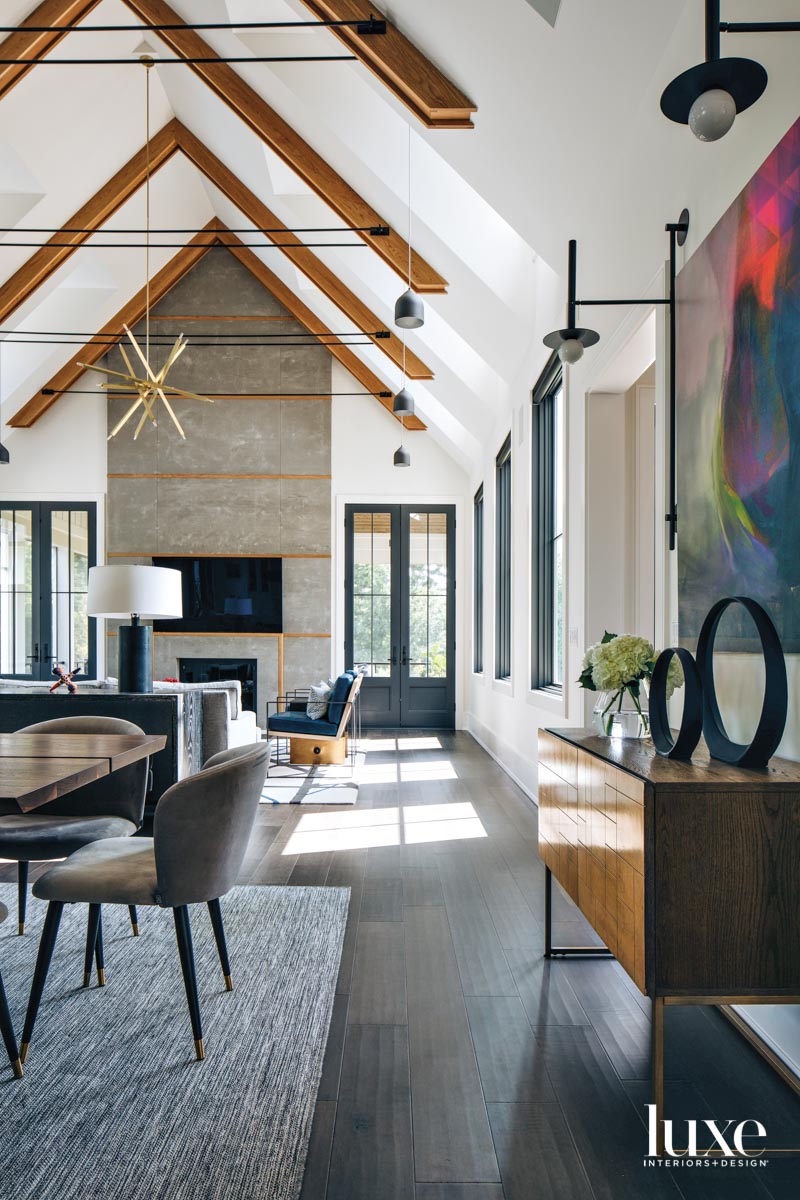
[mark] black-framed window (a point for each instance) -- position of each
(477, 582)
(548, 503)
(46, 550)
(502, 663)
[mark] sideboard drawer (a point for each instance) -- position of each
(591, 836)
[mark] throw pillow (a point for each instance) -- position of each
(318, 696)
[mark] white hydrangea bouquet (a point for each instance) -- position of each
(620, 668)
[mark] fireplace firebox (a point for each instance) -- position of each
(217, 670)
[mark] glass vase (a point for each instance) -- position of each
(622, 714)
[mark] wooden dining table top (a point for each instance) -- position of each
(36, 768)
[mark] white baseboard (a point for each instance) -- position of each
(499, 751)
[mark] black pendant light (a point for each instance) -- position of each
(708, 97)
(409, 311)
(571, 341)
(402, 458)
(403, 405)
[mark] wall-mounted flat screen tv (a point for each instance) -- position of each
(227, 595)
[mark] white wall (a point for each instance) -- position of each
(364, 437)
(62, 456)
(505, 716)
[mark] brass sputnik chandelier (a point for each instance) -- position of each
(154, 384)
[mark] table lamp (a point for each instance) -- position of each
(126, 591)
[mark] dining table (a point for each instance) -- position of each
(36, 768)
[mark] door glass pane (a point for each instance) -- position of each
(16, 591)
(428, 595)
(69, 576)
(372, 586)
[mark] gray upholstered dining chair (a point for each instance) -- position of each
(6, 1028)
(201, 829)
(110, 807)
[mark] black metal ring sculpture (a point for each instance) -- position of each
(682, 747)
(776, 692)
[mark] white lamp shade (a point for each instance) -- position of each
(120, 591)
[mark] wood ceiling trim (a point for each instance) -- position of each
(223, 80)
(130, 314)
(93, 215)
(358, 369)
(284, 141)
(399, 65)
(22, 44)
(161, 283)
(173, 137)
(311, 266)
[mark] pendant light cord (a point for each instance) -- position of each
(409, 249)
(409, 205)
(148, 63)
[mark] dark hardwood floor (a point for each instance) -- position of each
(463, 1066)
(460, 1064)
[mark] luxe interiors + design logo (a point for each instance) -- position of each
(687, 1143)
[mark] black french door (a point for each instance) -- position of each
(400, 612)
(46, 550)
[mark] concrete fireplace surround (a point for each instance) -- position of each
(251, 478)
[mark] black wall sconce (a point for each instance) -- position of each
(708, 97)
(571, 342)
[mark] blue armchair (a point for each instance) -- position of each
(323, 741)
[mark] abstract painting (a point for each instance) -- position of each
(738, 388)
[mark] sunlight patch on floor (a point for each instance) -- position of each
(388, 745)
(420, 772)
(319, 833)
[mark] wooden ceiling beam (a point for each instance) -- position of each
(358, 369)
(23, 44)
(133, 312)
(311, 266)
(284, 141)
(215, 232)
(399, 65)
(91, 216)
(248, 105)
(173, 137)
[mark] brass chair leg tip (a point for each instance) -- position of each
(101, 977)
(199, 1049)
(24, 1047)
(135, 929)
(87, 978)
(16, 1067)
(20, 928)
(228, 983)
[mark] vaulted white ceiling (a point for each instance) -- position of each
(568, 141)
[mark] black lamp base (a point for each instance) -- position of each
(135, 658)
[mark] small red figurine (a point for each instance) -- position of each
(65, 678)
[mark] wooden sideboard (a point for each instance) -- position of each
(689, 872)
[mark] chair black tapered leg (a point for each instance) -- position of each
(98, 952)
(7, 1030)
(43, 958)
(134, 919)
(222, 946)
(183, 932)
(92, 926)
(22, 896)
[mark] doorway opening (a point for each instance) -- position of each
(400, 612)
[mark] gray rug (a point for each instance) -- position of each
(113, 1104)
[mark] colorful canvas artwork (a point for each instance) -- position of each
(738, 387)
